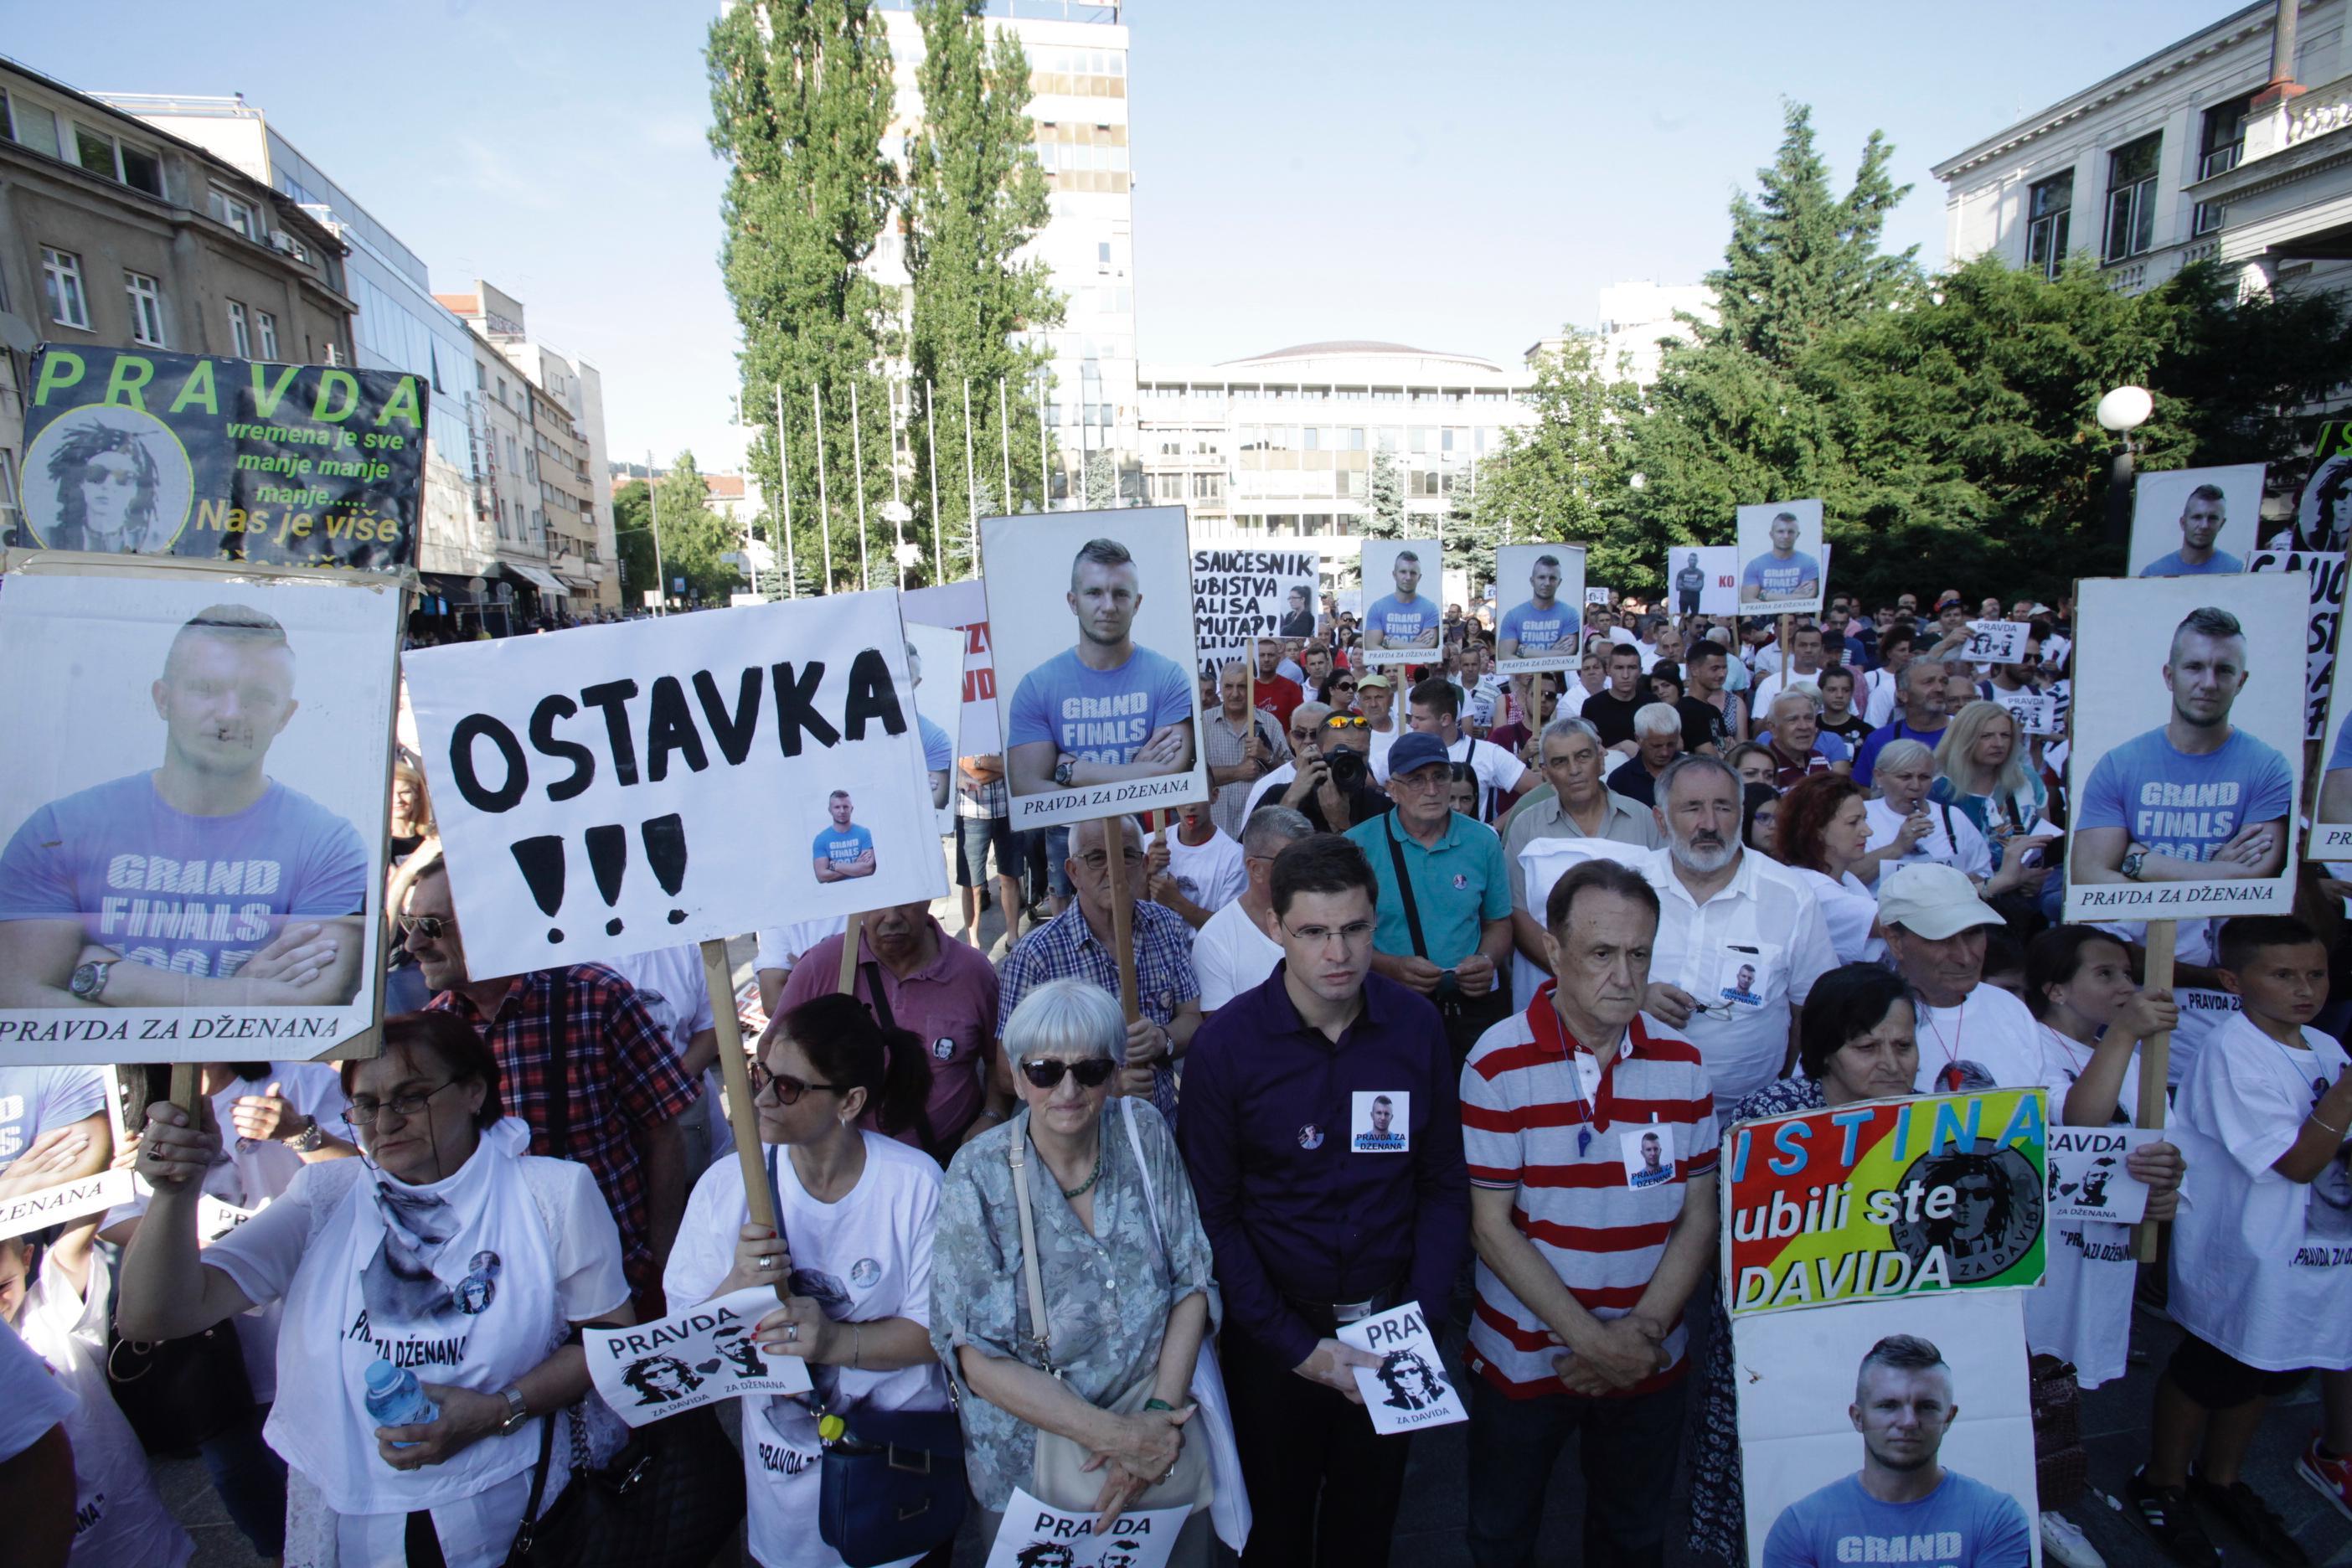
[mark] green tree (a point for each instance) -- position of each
(694, 537)
(1384, 511)
(800, 98)
(975, 195)
(1564, 476)
(1102, 480)
(632, 541)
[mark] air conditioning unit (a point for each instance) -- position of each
(283, 242)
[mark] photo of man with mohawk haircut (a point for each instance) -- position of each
(1106, 710)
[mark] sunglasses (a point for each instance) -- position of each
(432, 928)
(788, 1089)
(1045, 1072)
(1347, 721)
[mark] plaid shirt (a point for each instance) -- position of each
(1221, 748)
(620, 1075)
(1064, 948)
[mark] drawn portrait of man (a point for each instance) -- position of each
(107, 479)
(1411, 1383)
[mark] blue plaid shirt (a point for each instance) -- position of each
(1064, 948)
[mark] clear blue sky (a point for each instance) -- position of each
(1457, 177)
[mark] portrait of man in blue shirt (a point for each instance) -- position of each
(2202, 518)
(1780, 573)
(1404, 618)
(1542, 623)
(938, 752)
(1104, 710)
(843, 850)
(2196, 799)
(1902, 1495)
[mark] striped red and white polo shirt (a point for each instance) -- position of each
(1599, 1175)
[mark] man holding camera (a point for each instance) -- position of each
(1334, 784)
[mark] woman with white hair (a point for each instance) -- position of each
(1981, 768)
(1907, 823)
(1099, 1222)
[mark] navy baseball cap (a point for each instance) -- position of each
(1414, 751)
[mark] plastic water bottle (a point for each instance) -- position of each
(395, 1398)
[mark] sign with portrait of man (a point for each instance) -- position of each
(1540, 623)
(1403, 621)
(2195, 522)
(1783, 568)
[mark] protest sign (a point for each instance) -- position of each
(1091, 613)
(216, 1218)
(1783, 566)
(1409, 1390)
(1242, 595)
(2194, 522)
(1036, 1536)
(1403, 621)
(637, 786)
(1542, 625)
(1604, 597)
(934, 654)
(138, 452)
(1939, 1380)
(964, 607)
(82, 1197)
(2186, 746)
(1703, 580)
(2327, 573)
(2036, 713)
(193, 808)
(2087, 1179)
(2323, 509)
(691, 1359)
(1995, 642)
(1883, 1198)
(2331, 823)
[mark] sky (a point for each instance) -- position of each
(1460, 178)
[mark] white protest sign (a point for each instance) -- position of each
(1409, 1390)
(1239, 595)
(1995, 642)
(216, 1218)
(607, 790)
(934, 656)
(1784, 565)
(2087, 1179)
(963, 606)
(2036, 713)
(2327, 573)
(1036, 1536)
(691, 1359)
(93, 1194)
(1702, 580)
(1541, 624)
(1604, 597)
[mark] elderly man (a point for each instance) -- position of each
(1657, 742)
(1233, 953)
(1921, 718)
(1300, 741)
(1971, 1036)
(1725, 907)
(1573, 804)
(1242, 746)
(1444, 895)
(1437, 712)
(1077, 944)
(1796, 741)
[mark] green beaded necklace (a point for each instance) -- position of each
(1082, 1188)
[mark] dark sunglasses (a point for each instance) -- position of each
(1045, 1072)
(432, 928)
(788, 1089)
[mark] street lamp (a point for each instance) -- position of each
(2120, 413)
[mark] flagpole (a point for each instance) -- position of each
(931, 429)
(824, 506)
(1004, 429)
(858, 461)
(1045, 481)
(784, 483)
(897, 505)
(971, 480)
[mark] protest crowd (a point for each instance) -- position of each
(1367, 1061)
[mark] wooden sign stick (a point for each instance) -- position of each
(1123, 915)
(2154, 1063)
(850, 936)
(735, 1072)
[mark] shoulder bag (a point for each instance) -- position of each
(1465, 1017)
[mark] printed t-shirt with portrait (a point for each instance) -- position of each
(2082, 1310)
(1400, 623)
(1981, 1526)
(863, 1258)
(2262, 1265)
(1211, 874)
(2181, 805)
(1100, 715)
(1989, 1041)
(840, 848)
(1539, 631)
(1779, 577)
(200, 895)
(33, 1100)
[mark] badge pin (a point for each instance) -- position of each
(1310, 1136)
(943, 1048)
(1461, 880)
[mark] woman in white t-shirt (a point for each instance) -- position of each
(283, 1116)
(1821, 834)
(447, 1251)
(856, 1210)
(1909, 827)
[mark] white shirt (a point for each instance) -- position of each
(864, 1257)
(1211, 874)
(1882, 686)
(1849, 909)
(1274, 783)
(1770, 686)
(2080, 1312)
(1952, 839)
(1763, 920)
(670, 983)
(1232, 955)
(1544, 861)
(781, 946)
(2261, 1265)
(1989, 1041)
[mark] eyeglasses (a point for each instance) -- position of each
(1355, 934)
(432, 928)
(1045, 1072)
(360, 1117)
(1095, 860)
(788, 1089)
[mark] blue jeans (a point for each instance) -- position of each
(1057, 854)
(1627, 1449)
(251, 1481)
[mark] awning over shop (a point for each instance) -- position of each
(539, 577)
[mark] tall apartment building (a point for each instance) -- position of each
(2206, 150)
(116, 235)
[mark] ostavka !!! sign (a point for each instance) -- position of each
(1886, 1197)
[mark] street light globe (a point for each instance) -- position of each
(2126, 408)
(1637, 480)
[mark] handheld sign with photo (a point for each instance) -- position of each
(2195, 522)
(963, 606)
(2323, 510)
(1242, 595)
(624, 787)
(1091, 613)
(2331, 823)
(2036, 713)
(2186, 748)
(1403, 621)
(2327, 573)
(1409, 1390)
(1995, 642)
(2087, 1179)
(134, 451)
(193, 810)
(1036, 1536)
(1541, 624)
(934, 654)
(1604, 597)
(1783, 569)
(691, 1359)
(1703, 580)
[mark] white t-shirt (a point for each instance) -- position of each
(1770, 686)
(1989, 1041)
(119, 1519)
(1498, 771)
(1272, 785)
(1882, 686)
(2262, 1265)
(780, 947)
(1849, 909)
(1211, 874)
(32, 1400)
(33, 1100)
(1955, 842)
(2080, 1312)
(670, 983)
(1232, 955)
(865, 1257)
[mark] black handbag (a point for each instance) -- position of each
(892, 1486)
(180, 1393)
(671, 1499)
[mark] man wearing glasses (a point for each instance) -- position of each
(624, 1087)
(1299, 734)
(1311, 1233)
(1077, 944)
(1332, 781)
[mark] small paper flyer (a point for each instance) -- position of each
(1036, 1536)
(2087, 1179)
(1409, 1390)
(691, 1359)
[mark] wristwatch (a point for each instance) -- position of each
(518, 1413)
(1064, 769)
(88, 982)
(308, 1139)
(2134, 858)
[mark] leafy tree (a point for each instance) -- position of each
(800, 98)
(694, 537)
(1564, 476)
(632, 541)
(1102, 480)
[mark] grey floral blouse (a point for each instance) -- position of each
(1108, 1294)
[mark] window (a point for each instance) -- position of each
(32, 126)
(103, 155)
(146, 308)
(2048, 212)
(61, 277)
(240, 331)
(238, 213)
(1102, 255)
(2223, 142)
(9, 498)
(2209, 216)
(267, 325)
(1168, 487)
(1208, 487)
(2131, 199)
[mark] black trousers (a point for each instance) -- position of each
(1323, 1489)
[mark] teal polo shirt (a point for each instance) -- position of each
(1458, 886)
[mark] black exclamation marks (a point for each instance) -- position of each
(608, 856)
(542, 862)
(664, 841)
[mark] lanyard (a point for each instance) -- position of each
(2068, 1044)
(1948, 1080)
(1554, 1036)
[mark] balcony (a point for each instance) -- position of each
(2289, 196)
